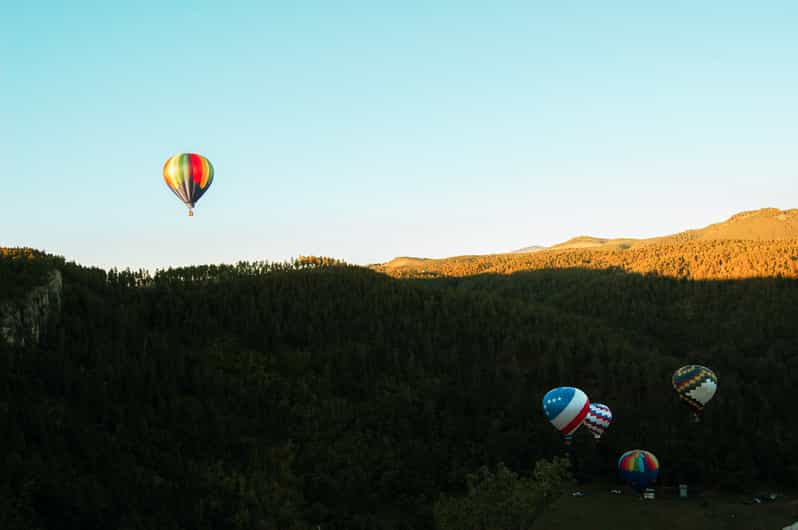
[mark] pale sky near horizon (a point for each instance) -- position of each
(364, 131)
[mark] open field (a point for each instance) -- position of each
(599, 509)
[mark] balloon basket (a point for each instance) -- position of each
(191, 213)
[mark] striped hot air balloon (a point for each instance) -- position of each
(639, 468)
(695, 385)
(598, 419)
(566, 408)
(189, 176)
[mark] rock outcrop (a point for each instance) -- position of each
(25, 319)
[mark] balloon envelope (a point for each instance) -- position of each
(566, 408)
(639, 468)
(189, 176)
(695, 385)
(598, 419)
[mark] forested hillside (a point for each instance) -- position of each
(21, 269)
(757, 243)
(317, 393)
(699, 260)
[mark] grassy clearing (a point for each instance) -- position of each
(601, 510)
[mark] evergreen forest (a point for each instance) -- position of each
(317, 394)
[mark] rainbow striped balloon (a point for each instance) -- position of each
(639, 468)
(189, 176)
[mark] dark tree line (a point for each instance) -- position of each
(313, 393)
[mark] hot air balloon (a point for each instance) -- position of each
(695, 385)
(639, 468)
(566, 408)
(598, 419)
(189, 176)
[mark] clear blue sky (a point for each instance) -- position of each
(362, 132)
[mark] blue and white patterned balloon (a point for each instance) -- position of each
(598, 419)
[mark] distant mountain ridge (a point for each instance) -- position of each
(533, 248)
(765, 224)
(593, 242)
(748, 244)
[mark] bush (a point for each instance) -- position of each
(502, 500)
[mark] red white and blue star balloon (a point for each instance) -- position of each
(566, 408)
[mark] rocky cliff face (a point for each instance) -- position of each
(25, 319)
